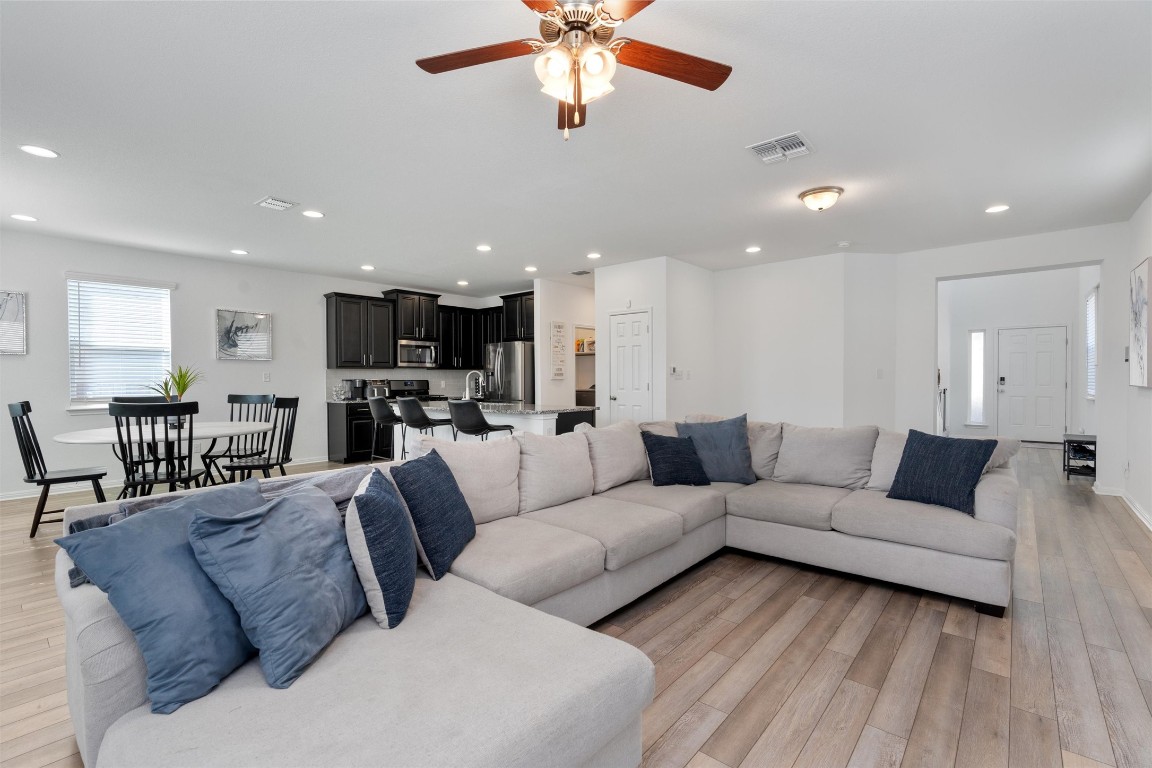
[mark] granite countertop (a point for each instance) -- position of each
(512, 409)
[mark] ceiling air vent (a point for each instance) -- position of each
(580, 272)
(781, 148)
(275, 204)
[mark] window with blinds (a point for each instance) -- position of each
(1090, 345)
(119, 339)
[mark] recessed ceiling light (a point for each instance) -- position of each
(367, 267)
(313, 214)
(996, 209)
(461, 282)
(22, 217)
(843, 244)
(239, 252)
(484, 248)
(529, 269)
(593, 255)
(32, 149)
(752, 249)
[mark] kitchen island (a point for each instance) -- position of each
(523, 417)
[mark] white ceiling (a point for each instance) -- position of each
(172, 119)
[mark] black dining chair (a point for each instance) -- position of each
(155, 443)
(140, 399)
(469, 419)
(36, 472)
(240, 408)
(412, 416)
(383, 417)
(277, 447)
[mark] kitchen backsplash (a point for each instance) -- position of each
(453, 381)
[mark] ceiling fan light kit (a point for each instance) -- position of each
(577, 57)
(821, 198)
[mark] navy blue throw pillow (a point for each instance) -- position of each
(285, 566)
(941, 470)
(673, 460)
(383, 547)
(723, 449)
(188, 632)
(443, 520)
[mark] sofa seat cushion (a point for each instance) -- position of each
(628, 531)
(696, 504)
(873, 515)
(468, 678)
(800, 504)
(527, 561)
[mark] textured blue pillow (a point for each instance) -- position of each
(443, 521)
(941, 470)
(673, 460)
(383, 546)
(285, 566)
(188, 632)
(723, 449)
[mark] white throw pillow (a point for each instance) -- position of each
(553, 470)
(486, 472)
(617, 454)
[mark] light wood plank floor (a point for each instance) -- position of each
(762, 662)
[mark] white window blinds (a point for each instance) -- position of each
(1090, 345)
(119, 339)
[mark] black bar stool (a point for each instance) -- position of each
(469, 419)
(412, 416)
(384, 418)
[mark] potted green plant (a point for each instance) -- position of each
(177, 382)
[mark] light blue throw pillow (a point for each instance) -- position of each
(188, 632)
(723, 449)
(286, 568)
(383, 545)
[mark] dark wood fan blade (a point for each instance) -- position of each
(543, 6)
(666, 62)
(622, 10)
(566, 116)
(473, 56)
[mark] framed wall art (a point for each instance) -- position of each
(1139, 347)
(242, 335)
(13, 327)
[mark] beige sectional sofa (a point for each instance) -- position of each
(570, 526)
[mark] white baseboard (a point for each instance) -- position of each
(1101, 490)
(1141, 513)
(110, 491)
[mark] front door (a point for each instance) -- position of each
(1032, 383)
(630, 366)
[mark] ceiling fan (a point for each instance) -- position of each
(577, 56)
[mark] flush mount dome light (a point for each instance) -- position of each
(32, 149)
(996, 209)
(821, 198)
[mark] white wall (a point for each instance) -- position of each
(918, 272)
(1046, 298)
(637, 285)
(569, 304)
(691, 340)
(36, 264)
(869, 338)
(943, 353)
(1138, 483)
(780, 341)
(1087, 282)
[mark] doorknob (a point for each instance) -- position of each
(612, 397)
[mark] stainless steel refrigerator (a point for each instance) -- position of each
(510, 372)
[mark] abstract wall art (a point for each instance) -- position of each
(243, 335)
(13, 329)
(1139, 347)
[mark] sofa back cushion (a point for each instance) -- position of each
(617, 455)
(840, 457)
(553, 469)
(487, 473)
(664, 428)
(763, 442)
(723, 449)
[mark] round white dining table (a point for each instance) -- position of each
(201, 430)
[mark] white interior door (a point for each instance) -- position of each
(1032, 383)
(630, 366)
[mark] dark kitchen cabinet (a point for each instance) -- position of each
(519, 316)
(359, 331)
(459, 338)
(416, 315)
(490, 324)
(350, 428)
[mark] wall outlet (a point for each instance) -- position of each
(443, 384)
(267, 377)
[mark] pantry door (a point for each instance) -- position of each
(630, 366)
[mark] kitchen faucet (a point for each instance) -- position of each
(479, 385)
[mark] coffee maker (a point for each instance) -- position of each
(354, 388)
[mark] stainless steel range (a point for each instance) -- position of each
(394, 388)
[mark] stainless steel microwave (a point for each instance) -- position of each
(417, 354)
